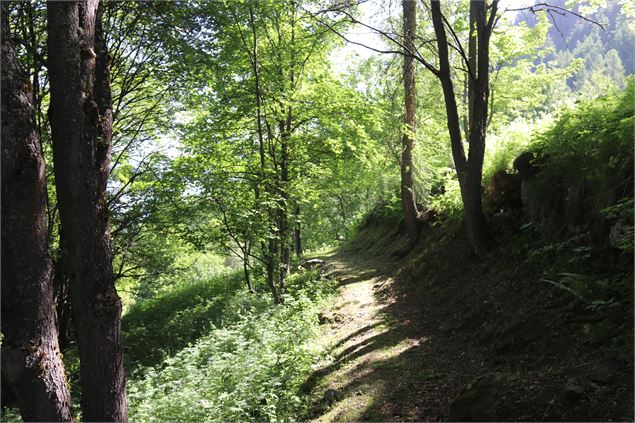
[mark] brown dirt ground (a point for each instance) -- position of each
(444, 336)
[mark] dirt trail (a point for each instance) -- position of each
(466, 341)
(365, 376)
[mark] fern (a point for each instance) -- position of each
(567, 289)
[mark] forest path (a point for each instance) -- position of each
(376, 370)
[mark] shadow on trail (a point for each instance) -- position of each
(355, 334)
(363, 275)
(445, 329)
(386, 373)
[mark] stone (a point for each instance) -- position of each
(313, 263)
(504, 190)
(332, 396)
(479, 399)
(604, 372)
(573, 388)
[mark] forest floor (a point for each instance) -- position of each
(442, 350)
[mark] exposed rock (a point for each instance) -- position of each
(324, 318)
(313, 263)
(504, 190)
(332, 396)
(604, 372)
(617, 234)
(578, 206)
(573, 388)
(479, 399)
(523, 165)
(427, 215)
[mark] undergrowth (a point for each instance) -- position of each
(248, 366)
(157, 328)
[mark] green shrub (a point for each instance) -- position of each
(505, 146)
(588, 153)
(445, 199)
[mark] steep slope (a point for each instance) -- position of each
(442, 335)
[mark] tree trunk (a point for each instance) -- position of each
(246, 252)
(471, 64)
(246, 272)
(63, 307)
(271, 275)
(297, 233)
(479, 96)
(269, 248)
(81, 123)
(469, 171)
(283, 225)
(408, 199)
(31, 361)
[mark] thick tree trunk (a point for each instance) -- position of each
(31, 361)
(81, 123)
(472, 203)
(479, 96)
(469, 170)
(63, 306)
(297, 233)
(471, 64)
(408, 199)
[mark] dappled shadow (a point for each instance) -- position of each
(355, 334)
(383, 340)
(394, 375)
(449, 321)
(388, 376)
(354, 275)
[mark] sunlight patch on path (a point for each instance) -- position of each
(361, 341)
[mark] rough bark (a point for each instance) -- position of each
(63, 307)
(81, 123)
(469, 170)
(471, 64)
(408, 199)
(475, 219)
(31, 361)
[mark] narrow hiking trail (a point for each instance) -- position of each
(374, 370)
(462, 342)
(354, 324)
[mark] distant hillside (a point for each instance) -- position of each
(606, 54)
